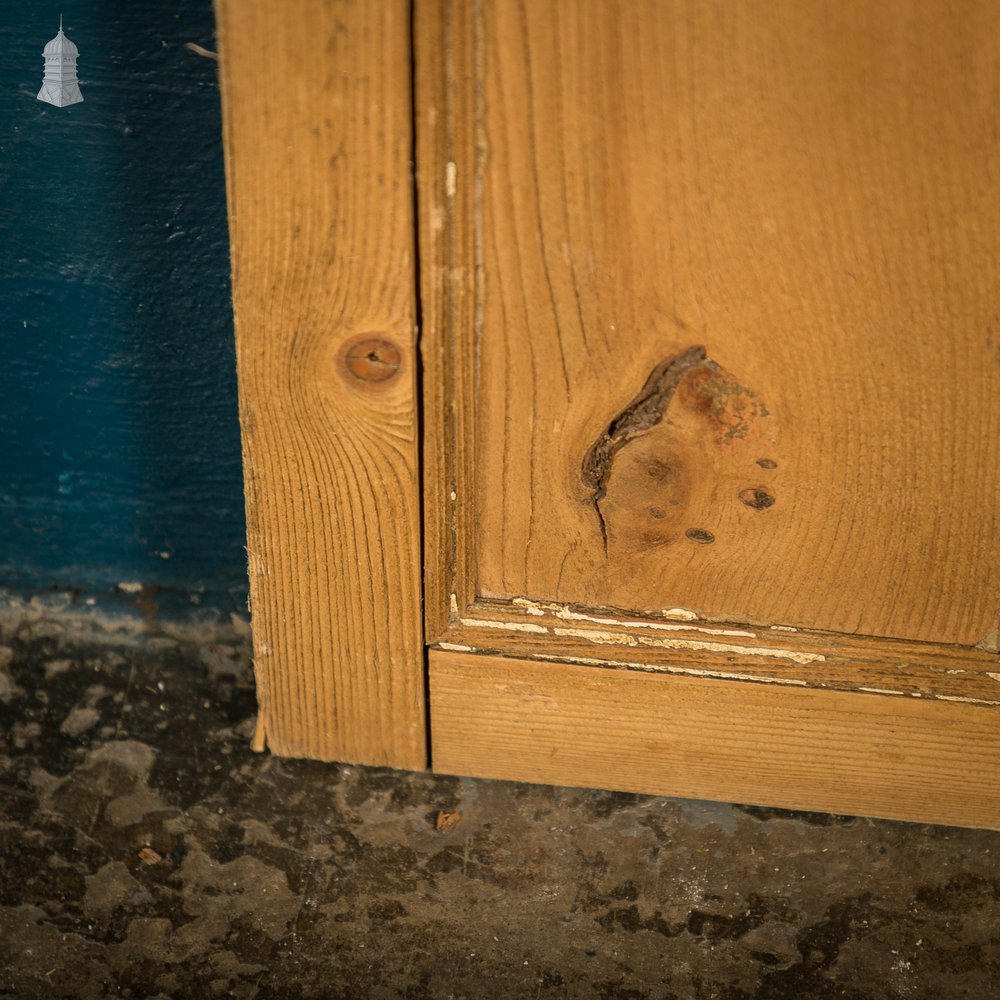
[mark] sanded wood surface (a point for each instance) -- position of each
(317, 121)
(863, 754)
(718, 286)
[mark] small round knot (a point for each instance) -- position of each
(371, 358)
(700, 535)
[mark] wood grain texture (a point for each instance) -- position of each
(316, 106)
(804, 190)
(862, 754)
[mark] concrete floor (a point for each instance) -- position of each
(145, 851)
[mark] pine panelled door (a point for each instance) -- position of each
(620, 392)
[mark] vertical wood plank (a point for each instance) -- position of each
(451, 160)
(317, 125)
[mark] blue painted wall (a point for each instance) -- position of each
(119, 442)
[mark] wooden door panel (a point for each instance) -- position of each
(736, 341)
(708, 384)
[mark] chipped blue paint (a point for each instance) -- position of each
(119, 443)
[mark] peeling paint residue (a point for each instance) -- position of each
(505, 626)
(564, 612)
(658, 668)
(729, 675)
(568, 615)
(531, 607)
(618, 639)
(968, 701)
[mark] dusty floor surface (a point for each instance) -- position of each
(145, 851)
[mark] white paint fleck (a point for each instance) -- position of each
(455, 647)
(454, 604)
(679, 614)
(450, 179)
(130, 587)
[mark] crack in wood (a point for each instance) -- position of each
(644, 412)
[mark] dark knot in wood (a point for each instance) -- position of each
(645, 411)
